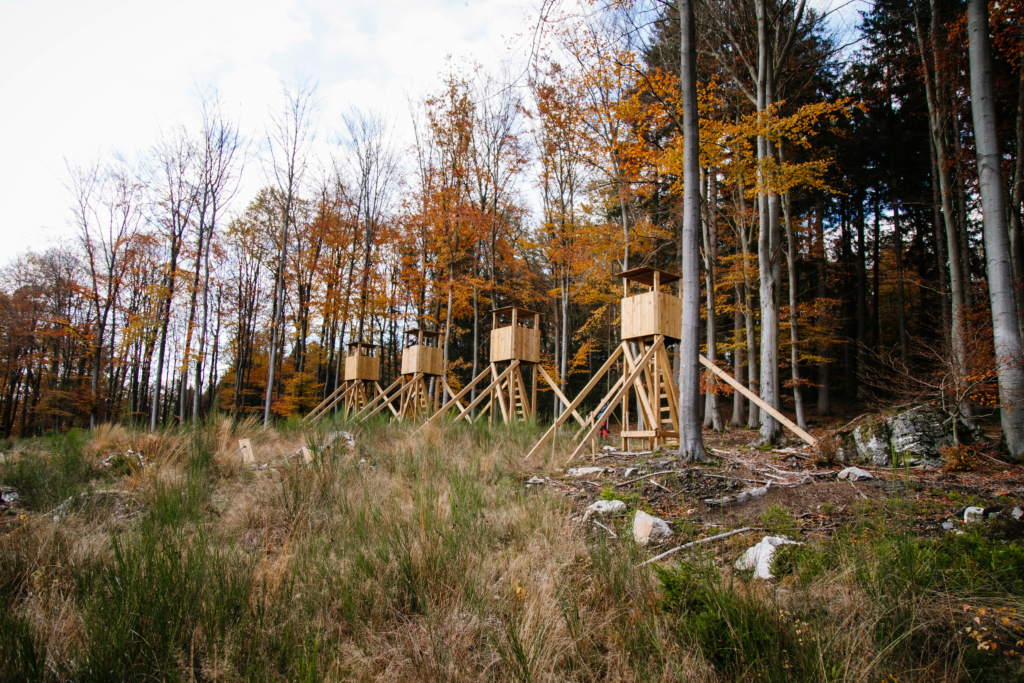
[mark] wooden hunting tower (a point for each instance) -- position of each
(355, 392)
(516, 335)
(362, 362)
(652, 312)
(515, 341)
(421, 354)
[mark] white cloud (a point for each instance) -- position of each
(82, 78)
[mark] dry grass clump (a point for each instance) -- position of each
(423, 557)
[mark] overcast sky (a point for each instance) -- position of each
(81, 79)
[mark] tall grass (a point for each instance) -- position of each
(421, 556)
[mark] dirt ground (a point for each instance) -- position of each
(809, 490)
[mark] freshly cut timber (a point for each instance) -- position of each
(515, 339)
(360, 386)
(651, 320)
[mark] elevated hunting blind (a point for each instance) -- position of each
(516, 335)
(515, 340)
(421, 354)
(362, 362)
(652, 312)
(360, 384)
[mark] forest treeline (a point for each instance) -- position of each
(844, 247)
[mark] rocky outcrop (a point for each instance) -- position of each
(911, 437)
(918, 434)
(871, 443)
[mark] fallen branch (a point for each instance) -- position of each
(652, 474)
(697, 542)
(614, 535)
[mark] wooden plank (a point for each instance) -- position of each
(670, 387)
(465, 390)
(456, 401)
(533, 389)
(334, 402)
(381, 396)
(731, 381)
(641, 393)
(579, 399)
(487, 393)
(597, 411)
(248, 457)
(558, 393)
(524, 397)
(499, 390)
(658, 343)
(404, 390)
(341, 388)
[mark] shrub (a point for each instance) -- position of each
(739, 635)
(777, 519)
(960, 458)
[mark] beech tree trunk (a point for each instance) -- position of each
(1005, 323)
(712, 407)
(937, 119)
(691, 443)
(824, 406)
(753, 411)
(736, 419)
(794, 331)
(767, 245)
(1016, 195)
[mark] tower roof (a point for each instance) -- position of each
(426, 333)
(518, 309)
(645, 275)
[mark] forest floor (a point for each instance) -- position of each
(446, 555)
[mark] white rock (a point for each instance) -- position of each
(974, 514)
(1017, 513)
(630, 471)
(607, 507)
(647, 528)
(584, 471)
(948, 526)
(534, 480)
(759, 556)
(854, 474)
(608, 449)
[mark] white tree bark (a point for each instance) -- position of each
(712, 406)
(767, 245)
(937, 119)
(691, 443)
(1005, 327)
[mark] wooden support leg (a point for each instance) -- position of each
(572, 406)
(658, 343)
(533, 391)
